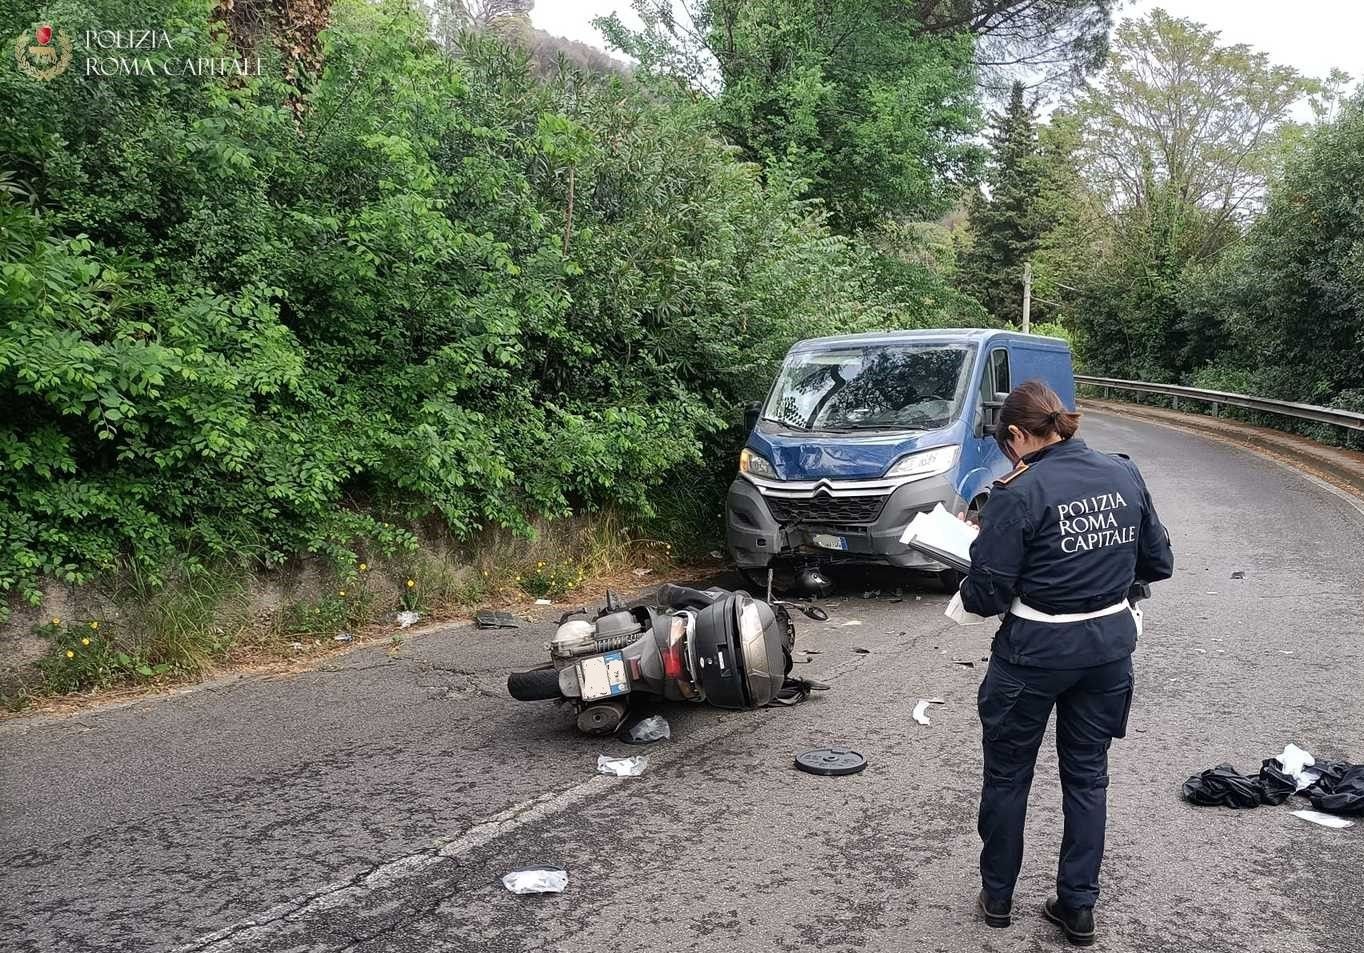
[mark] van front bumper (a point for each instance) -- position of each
(756, 537)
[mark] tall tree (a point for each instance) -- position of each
(1007, 225)
(1179, 117)
(853, 100)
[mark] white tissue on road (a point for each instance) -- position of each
(919, 713)
(539, 880)
(622, 767)
(406, 619)
(1295, 763)
(1325, 820)
(851, 622)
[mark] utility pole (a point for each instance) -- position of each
(1027, 297)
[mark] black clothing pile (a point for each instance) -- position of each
(1338, 789)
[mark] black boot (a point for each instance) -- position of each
(1077, 924)
(995, 912)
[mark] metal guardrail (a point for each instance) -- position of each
(1324, 415)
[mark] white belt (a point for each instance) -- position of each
(1022, 610)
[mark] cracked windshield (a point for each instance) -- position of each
(869, 388)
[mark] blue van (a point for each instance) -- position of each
(860, 432)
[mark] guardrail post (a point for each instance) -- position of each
(1105, 393)
(1174, 402)
(1215, 408)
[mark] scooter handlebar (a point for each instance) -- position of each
(683, 597)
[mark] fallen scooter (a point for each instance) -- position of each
(715, 646)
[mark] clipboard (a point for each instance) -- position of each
(941, 537)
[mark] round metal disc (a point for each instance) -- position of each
(831, 761)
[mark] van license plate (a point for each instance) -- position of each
(825, 541)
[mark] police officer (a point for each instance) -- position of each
(1063, 539)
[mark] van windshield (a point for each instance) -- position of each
(875, 387)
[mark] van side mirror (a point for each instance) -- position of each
(990, 414)
(751, 411)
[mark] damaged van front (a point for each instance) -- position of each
(860, 433)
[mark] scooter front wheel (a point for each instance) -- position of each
(541, 684)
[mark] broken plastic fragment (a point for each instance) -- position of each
(622, 767)
(342, 637)
(539, 880)
(850, 622)
(543, 602)
(653, 728)
(407, 618)
(920, 713)
(1325, 820)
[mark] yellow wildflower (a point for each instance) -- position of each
(411, 583)
(70, 654)
(94, 625)
(341, 593)
(56, 620)
(364, 567)
(85, 641)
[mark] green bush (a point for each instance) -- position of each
(449, 288)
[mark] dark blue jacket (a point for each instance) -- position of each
(1069, 532)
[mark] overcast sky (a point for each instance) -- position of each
(1311, 35)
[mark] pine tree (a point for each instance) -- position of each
(1006, 225)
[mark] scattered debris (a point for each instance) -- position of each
(1238, 574)
(652, 728)
(920, 712)
(1325, 820)
(716, 554)
(1336, 787)
(802, 661)
(538, 880)
(872, 594)
(850, 622)
(343, 637)
(862, 651)
(813, 651)
(622, 767)
(641, 572)
(487, 619)
(543, 602)
(964, 662)
(296, 646)
(407, 618)
(831, 761)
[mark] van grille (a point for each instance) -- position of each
(823, 508)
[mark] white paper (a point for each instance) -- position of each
(958, 614)
(406, 619)
(622, 767)
(941, 530)
(540, 880)
(1325, 820)
(920, 713)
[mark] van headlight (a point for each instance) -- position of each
(928, 463)
(756, 464)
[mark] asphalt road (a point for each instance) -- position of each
(373, 805)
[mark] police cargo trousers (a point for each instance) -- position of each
(1015, 701)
